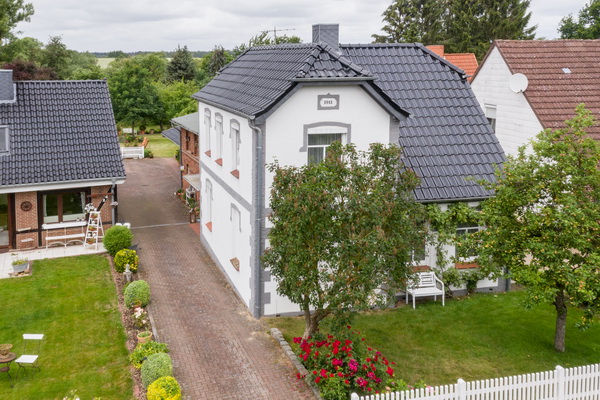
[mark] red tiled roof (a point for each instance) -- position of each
(561, 74)
(464, 61)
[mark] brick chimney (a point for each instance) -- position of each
(328, 34)
(7, 87)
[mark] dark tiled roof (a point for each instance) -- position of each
(173, 135)
(262, 75)
(446, 138)
(552, 93)
(191, 122)
(60, 131)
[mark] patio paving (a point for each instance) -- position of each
(219, 351)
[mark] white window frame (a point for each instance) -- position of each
(207, 126)
(490, 114)
(219, 133)
(323, 147)
(464, 230)
(4, 139)
(235, 145)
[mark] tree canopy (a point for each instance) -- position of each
(342, 229)
(543, 222)
(585, 26)
(13, 12)
(461, 25)
(182, 66)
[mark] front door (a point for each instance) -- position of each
(4, 223)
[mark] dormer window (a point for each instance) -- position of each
(4, 139)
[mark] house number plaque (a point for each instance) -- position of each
(328, 102)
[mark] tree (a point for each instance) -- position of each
(177, 99)
(182, 66)
(26, 49)
(56, 56)
(13, 12)
(134, 97)
(586, 26)
(263, 39)
(342, 229)
(413, 21)
(461, 25)
(30, 71)
(117, 54)
(543, 223)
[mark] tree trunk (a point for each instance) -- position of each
(311, 321)
(561, 321)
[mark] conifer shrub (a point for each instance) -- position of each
(156, 366)
(117, 238)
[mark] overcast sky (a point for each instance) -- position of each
(154, 25)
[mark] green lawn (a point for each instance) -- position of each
(480, 337)
(73, 302)
(161, 146)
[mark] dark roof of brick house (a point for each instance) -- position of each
(173, 134)
(446, 138)
(60, 131)
(561, 74)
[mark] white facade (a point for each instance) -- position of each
(516, 123)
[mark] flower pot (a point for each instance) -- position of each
(5, 349)
(18, 268)
(144, 339)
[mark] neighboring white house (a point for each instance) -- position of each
(289, 102)
(525, 86)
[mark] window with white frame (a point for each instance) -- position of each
(207, 125)
(490, 114)
(235, 146)
(219, 134)
(4, 138)
(208, 190)
(419, 253)
(319, 138)
(462, 230)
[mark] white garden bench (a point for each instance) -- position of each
(425, 284)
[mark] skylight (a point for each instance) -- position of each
(566, 70)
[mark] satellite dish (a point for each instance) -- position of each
(518, 83)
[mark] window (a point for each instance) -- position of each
(63, 207)
(318, 143)
(461, 231)
(208, 210)
(4, 139)
(207, 125)
(490, 114)
(219, 133)
(420, 253)
(235, 148)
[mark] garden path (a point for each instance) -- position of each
(219, 351)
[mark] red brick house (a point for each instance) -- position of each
(58, 152)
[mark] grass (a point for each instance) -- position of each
(480, 337)
(73, 302)
(160, 146)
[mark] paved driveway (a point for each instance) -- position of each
(219, 351)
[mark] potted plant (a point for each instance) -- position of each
(19, 264)
(144, 336)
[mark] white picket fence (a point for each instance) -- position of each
(579, 383)
(132, 152)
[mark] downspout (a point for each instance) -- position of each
(258, 221)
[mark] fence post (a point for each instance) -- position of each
(461, 390)
(354, 396)
(560, 382)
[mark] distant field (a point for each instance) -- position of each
(103, 62)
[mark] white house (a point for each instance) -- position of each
(526, 86)
(288, 102)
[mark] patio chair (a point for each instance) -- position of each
(33, 341)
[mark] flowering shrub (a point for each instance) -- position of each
(140, 317)
(340, 366)
(126, 256)
(165, 388)
(143, 350)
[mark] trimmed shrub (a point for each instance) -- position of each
(117, 238)
(156, 366)
(165, 388)
(148, 153)
(126, 256)
(137, 293)
(143, 350)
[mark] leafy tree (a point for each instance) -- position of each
(586, 26)
(154, 63)
(117, 54)
(26, 49)
(13, 12)
(84, 66)
(134, 97)
(263, 39)
(461, 25)
(57, 57)
(177, 99)
(342, 229)
(413, 21)
(29, 71)
(182, 66)
(543, 222)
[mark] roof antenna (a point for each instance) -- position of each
(274, 30)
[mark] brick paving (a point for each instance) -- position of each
(219, 351)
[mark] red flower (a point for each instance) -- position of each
(369, 348)
(298, 340)
(324, 373)
(314, 372)
(332, 375)
(390, 371)
(346, 381)
(318, 380)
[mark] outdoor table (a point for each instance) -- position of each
(7, 360)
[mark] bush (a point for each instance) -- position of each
(148, 153)
(143, 350)
(126, 256)
(156, 366)
(165, 388)
(137, 293)
(117, 238)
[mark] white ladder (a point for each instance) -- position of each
(94, 230)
